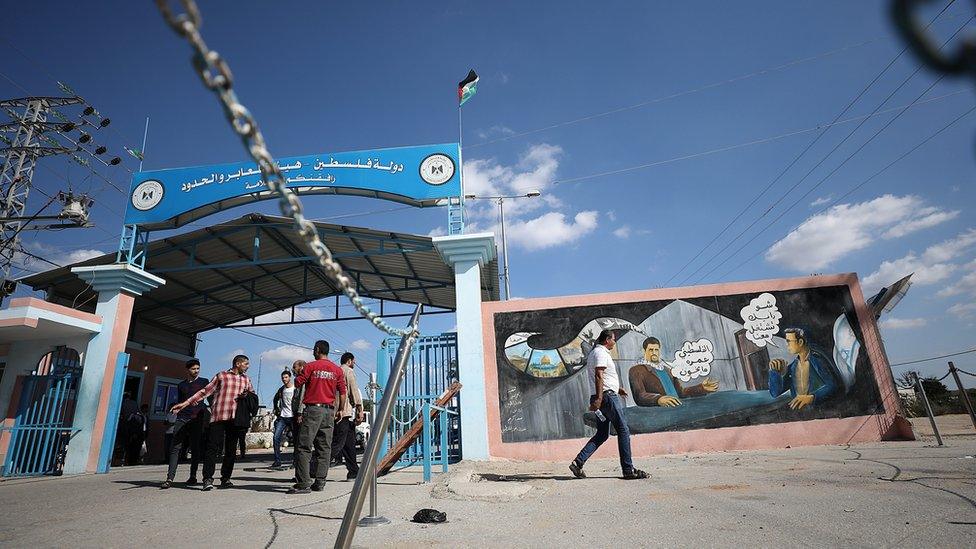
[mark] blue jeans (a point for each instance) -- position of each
(279, 430)
(613, 410)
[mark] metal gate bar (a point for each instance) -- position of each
(40, 431)
(431, 368)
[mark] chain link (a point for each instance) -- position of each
(919, 40)
(216, 76)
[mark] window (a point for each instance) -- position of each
(164, 397)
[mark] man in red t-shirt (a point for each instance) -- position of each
(325, 397)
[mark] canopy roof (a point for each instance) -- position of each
(232, 272)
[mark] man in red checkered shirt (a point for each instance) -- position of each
(228, 385)
(325, 396)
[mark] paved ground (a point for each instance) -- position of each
(876, 495)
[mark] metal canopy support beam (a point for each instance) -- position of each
(356, 317)
(371, 264)
(206, 294)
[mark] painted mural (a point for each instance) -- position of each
(707, 362)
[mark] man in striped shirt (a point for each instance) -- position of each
(228, 385)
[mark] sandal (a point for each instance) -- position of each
(635, 475)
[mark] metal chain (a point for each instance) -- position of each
(962, 60)
(216, 75)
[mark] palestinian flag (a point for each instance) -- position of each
(467, 87)
(136, 153)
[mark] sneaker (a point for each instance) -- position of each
(317, 486)
(226, 483)
(276, 465)
(577, 470)
(166, 484)
(299, 490)
(207, 485)
(635, 474)
(351, 476)
(192, 481)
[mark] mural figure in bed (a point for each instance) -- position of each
(652, 382)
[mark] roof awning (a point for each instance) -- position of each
(257, 264)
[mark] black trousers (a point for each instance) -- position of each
(223, 435)
(345, 443)
(186, 434)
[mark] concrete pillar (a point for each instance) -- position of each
(117, 286)
(466, 254)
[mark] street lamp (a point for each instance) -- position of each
(501, 212)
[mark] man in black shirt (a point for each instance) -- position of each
(190, 422)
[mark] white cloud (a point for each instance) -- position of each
(230, 356)
(963, 310)
(525, 227)
(361, 345)
(622, 232)
(285, 355)
(845, 228)
(821, 201)
(77, 256)
(301, 313)
(437, 231)
(893, 323)
(612, 216)
(965, 285)
(929, 217)
(535, 170)
(932, 266)
(550, 230)
(495, 131)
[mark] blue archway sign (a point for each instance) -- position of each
(419, 176)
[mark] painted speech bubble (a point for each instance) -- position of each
(694, 359)
(761, 319)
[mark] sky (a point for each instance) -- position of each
(674, 144)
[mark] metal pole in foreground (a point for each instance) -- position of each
(928, 408)
(962, 393)
(380, 423)
(372, 519)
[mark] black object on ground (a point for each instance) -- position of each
(427, 516)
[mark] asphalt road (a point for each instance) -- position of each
(869, 495)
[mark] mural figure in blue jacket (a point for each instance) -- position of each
(810, 377)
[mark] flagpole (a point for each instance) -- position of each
(461, 154)
(145, 135)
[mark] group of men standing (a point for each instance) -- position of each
(320, 397)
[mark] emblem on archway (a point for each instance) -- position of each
(147, 195)
(437, 169)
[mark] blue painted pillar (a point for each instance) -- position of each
(467, 254)
(117, 286)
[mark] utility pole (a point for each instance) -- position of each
(28, 137)
(501, 214)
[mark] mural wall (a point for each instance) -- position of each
(697, 363)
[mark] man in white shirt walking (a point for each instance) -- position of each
(283, 415)
(606, 400)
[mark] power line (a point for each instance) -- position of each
(748, 143)
(822, 180)
(861, 184)
(681, 93)
(932, 358)
(830, 153)
(793, 162)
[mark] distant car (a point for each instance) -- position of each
(362, 432)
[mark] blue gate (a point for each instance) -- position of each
(42, 426)
(432, 368)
